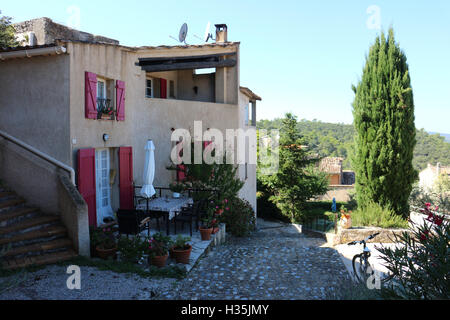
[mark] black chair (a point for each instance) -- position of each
(132, 222)
(187, 215)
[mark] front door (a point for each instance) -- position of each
(103, 188)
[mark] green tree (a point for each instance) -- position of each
(7, 38)
(383, 111)
(297, 179)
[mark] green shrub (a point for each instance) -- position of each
(132, 249)
(373, 215)
(239, 218)
(420, 264)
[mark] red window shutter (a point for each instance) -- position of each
(181, 168)
(86, 182)
(90, 95)
(126, 178)
(163, 89)
(120, 100)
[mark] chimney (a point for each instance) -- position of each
(221, 33)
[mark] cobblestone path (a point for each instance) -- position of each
(274, 263)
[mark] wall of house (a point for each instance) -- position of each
(205, 84)
(144, 118)
(34, 102)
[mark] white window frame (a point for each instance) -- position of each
(152, 87)
(105, 84)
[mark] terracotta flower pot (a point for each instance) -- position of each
(158, 261)
(181, 255)
(205, 233)
(106, 253)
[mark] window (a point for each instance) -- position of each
(149, 88)
(105, 104)
(172, 89)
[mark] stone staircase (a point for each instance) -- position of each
(29, 236)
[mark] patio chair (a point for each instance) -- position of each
(187, 215)
(132, 222)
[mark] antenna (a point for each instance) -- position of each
(182, 34)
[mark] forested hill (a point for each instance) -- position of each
(335, 140)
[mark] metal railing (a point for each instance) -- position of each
(40, 154)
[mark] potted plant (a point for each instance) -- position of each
(176, 188)
(106, 246)
(181, 250)
(346, 218)
(158, 250)
(206, 228)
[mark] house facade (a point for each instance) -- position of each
(52, 93)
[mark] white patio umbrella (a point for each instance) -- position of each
(147, 189)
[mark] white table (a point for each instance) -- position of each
(170, 206)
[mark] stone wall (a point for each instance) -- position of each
(340, 192)
(46, 32)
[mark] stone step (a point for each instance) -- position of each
(48, 258)
(11, 203)
(16, 213)
(28, 223)
(50, 231)
(42, 246)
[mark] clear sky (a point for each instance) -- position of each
(299, 56)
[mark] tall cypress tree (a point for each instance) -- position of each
(383, 111)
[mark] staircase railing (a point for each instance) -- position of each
(40, 154)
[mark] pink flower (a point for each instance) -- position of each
(227, 208)
(428, 205)
(217, 207)
(226, 200)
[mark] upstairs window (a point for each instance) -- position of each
(149, 88)
(172, 89)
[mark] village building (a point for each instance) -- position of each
(61, 148)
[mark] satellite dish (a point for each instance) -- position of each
(183, 33)
(207, 35)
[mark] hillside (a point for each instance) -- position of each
(336, 140)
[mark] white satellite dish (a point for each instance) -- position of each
(207, 34)
(183, 33)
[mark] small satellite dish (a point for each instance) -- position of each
(207, 34)
(183, 33)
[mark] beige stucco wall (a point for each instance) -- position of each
(34, 102)
(145, 118)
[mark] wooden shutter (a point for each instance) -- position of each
(163, 88)
(126, 178)
(86, 182)
(120, 100)
(90, 95)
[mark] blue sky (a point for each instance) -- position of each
(299, 56)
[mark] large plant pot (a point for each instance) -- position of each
(158, 261)
(180, 255)
(205, 233)
(105, 253)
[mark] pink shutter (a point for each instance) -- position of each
(163, 89)
(90, 95)
(86, 182)
(181, 168)
(126, 178)
(120, 100)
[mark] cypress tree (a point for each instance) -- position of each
(383, 112)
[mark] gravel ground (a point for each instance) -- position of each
(274, 263)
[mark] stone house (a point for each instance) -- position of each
(333, 167)
(429, 176)
(78, 161)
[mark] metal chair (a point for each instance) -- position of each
(132, 222)
(187, 215)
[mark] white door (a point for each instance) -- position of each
(102, 166)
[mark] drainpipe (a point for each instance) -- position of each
(32, 52)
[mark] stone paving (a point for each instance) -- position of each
(276, 262)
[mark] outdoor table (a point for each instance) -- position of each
(167, 205)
